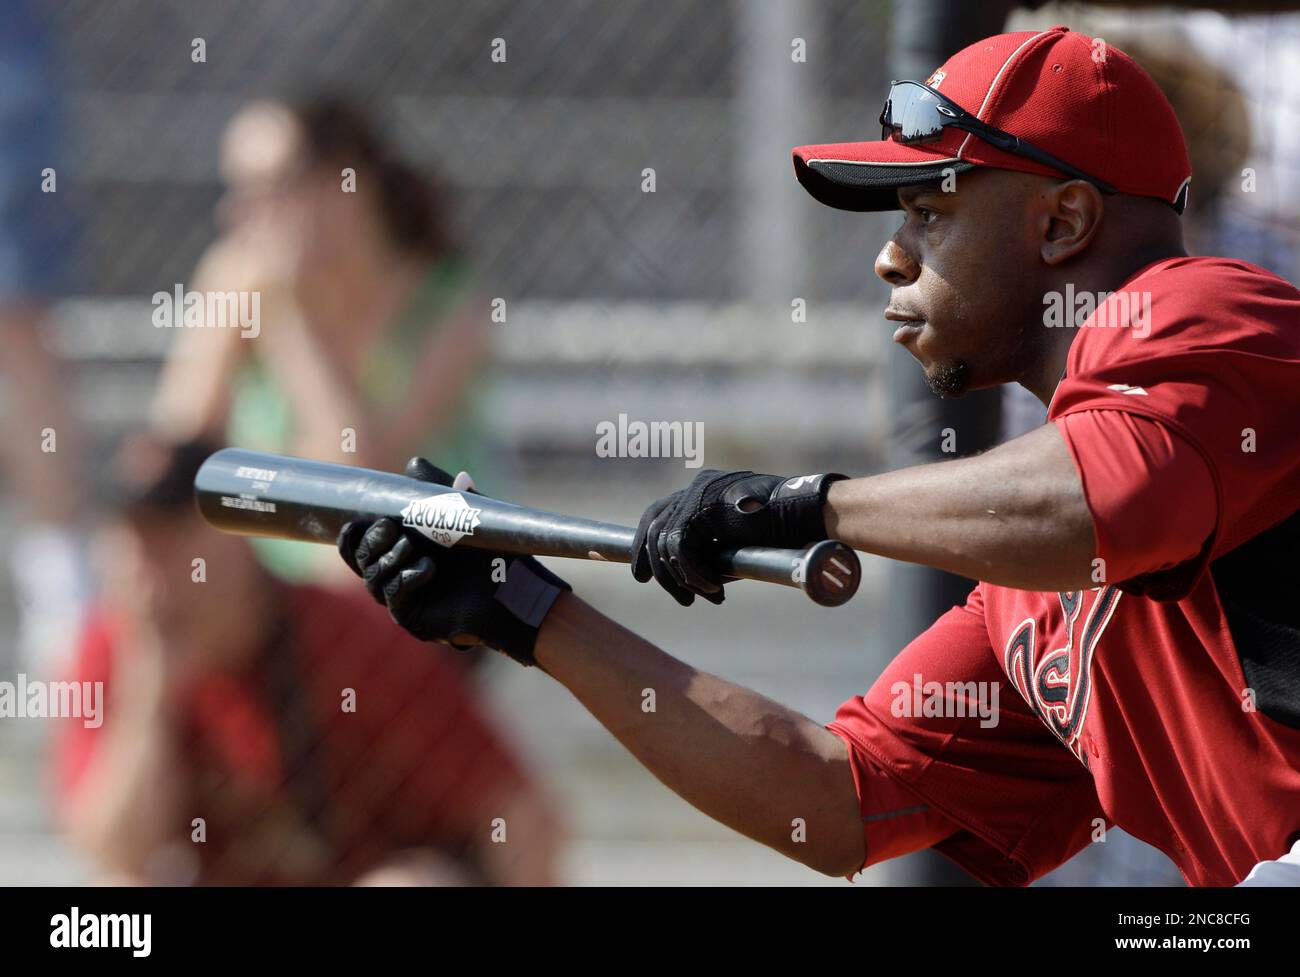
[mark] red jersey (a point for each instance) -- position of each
(1166, 700)
(293, 785)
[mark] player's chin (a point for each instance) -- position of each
(949, 377)
(947, 374)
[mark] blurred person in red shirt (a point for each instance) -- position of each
(263, 732)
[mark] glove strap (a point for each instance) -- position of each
(526, 595)
(800, 500)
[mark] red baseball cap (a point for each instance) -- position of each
(1086, 103)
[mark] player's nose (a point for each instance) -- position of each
(895, 266)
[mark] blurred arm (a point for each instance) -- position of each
(36, 398)
(193, 395)
(534, 839)
(450, 364)
(325, 400)
(125, 806)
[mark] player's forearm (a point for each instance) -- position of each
(742, 759)
(1015, 516)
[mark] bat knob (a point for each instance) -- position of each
(831, 573)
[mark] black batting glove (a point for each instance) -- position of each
(454, 595)
(679, 538)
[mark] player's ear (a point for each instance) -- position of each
(1070, 218)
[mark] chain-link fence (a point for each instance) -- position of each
(619, 176)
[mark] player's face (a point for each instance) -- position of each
(963, 269)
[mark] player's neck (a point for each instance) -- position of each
(1043, 379)
(1048, 370)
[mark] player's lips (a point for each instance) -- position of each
(909, 323)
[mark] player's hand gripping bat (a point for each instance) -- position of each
(258, 494)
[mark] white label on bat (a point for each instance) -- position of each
(254, 505)
(446, 519)
(259, 474)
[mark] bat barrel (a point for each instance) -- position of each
(258, 494)
(829, 572)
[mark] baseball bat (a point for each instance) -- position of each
(257, 494)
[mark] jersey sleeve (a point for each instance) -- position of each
(1207, 350)
(1009, 801)
(1131, 468)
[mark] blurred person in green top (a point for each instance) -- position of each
(370, 341)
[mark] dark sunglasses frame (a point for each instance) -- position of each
(949, 114)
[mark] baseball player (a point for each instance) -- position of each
(1137, 602)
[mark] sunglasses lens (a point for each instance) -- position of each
(915, 114)
(921, 118)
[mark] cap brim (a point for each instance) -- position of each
(865, 176)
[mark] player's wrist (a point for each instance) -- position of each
(837, 506)
(556, 633)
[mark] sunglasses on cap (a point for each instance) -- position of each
(916, 113)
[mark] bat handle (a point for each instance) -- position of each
(829, 572)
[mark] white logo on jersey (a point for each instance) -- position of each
(1124, 388)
